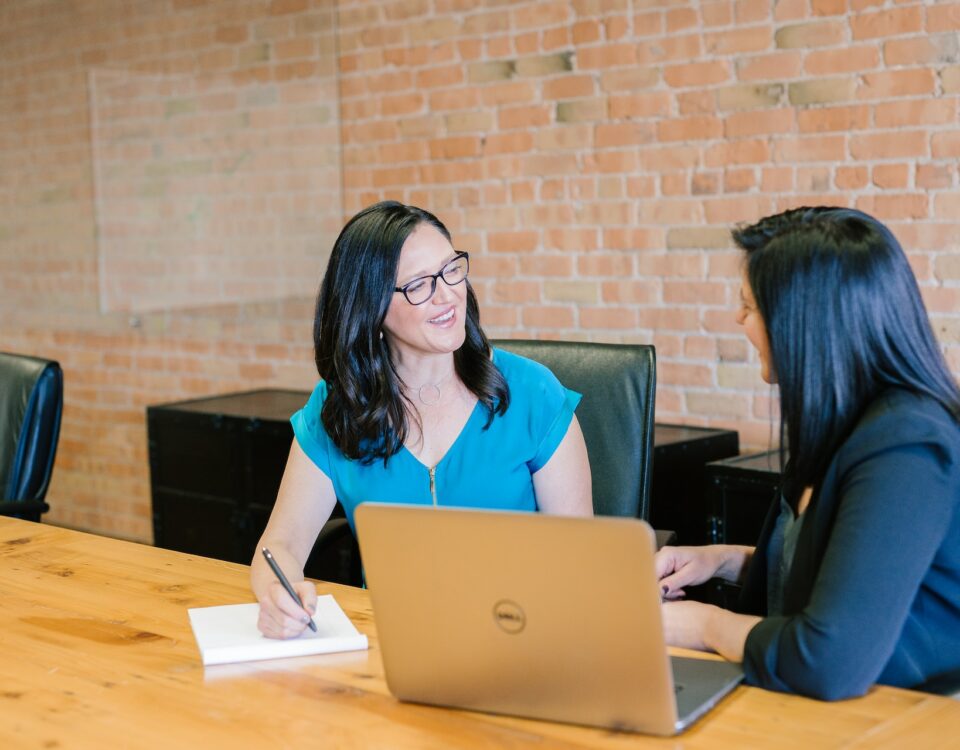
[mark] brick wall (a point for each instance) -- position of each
(591, 154)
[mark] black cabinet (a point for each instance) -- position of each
(215, 468)
(739, 492)
(680, 455)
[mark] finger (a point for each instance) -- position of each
(275, 624)
(676, 581)
(308, 595)
(664, 562)
(285, 603)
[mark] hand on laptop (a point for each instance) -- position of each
(679, 567)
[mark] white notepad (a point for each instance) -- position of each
(228, 634)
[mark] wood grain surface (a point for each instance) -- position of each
(96, 651)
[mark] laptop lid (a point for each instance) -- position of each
(521, 613)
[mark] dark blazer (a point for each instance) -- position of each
(873, 593)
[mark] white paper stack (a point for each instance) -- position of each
(228, 634)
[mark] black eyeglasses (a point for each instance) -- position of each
(422, 288)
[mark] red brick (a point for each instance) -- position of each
(625, 134)
(920, 50)
(455, 148)
(547, 316)
(915, 112)
(572, 86)
(738, 41)
(513, 242)
(830, 62)
(631, 292)
(896, 83)
(741, 124)
(945, 145)
(639, 106)
(901, 206)
(608, 317)
(606, 56)
(524, 117)
(934, 176)
(585, 32)
(448, 75)
(632, 239)
(508, 143)
(813, 179)
(775, 66)
(776, 179)
(678, 19)
(546, 265)
(943, 17)
(812, 148)
(731, 152)
(669, 48)
(697, 74)
(892, 145)
(828, 119)
(887, 22)
(886, 176)
(690, 129)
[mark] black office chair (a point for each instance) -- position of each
(618, 383)
(31, 402)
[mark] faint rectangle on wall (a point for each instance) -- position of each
(212, 190)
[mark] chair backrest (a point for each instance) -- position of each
(617, 382)
(31, 402)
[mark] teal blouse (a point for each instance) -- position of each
(484, 468)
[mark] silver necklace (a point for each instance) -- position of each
(429, 393)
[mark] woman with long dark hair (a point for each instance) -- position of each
(856, 576)
(413, 404)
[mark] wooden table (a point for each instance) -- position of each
(96, 651)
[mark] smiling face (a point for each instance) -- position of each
(754, 328)
(438, 325)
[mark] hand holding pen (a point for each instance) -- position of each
(304, 619)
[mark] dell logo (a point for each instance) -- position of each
(508, 615)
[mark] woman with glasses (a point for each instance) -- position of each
(413, 405)
(856, 576)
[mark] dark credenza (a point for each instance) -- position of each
(216, 465)
(215, 468)
(739, 492)
(680, 455)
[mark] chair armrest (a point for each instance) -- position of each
(665, 537)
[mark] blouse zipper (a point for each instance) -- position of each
(433, 484)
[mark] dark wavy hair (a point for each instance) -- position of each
(364, 411)
(845, 320)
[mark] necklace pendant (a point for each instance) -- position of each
(429, 394)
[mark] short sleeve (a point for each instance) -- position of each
(310, 433)
(552, 406)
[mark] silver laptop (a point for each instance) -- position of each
(529, 615)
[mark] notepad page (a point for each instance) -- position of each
(228, 633)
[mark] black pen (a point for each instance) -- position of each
(286, 584)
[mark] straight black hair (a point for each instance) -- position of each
(844, 320)
(364, 411)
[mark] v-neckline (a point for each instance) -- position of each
(453, 445)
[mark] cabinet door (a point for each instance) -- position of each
(196, 482)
